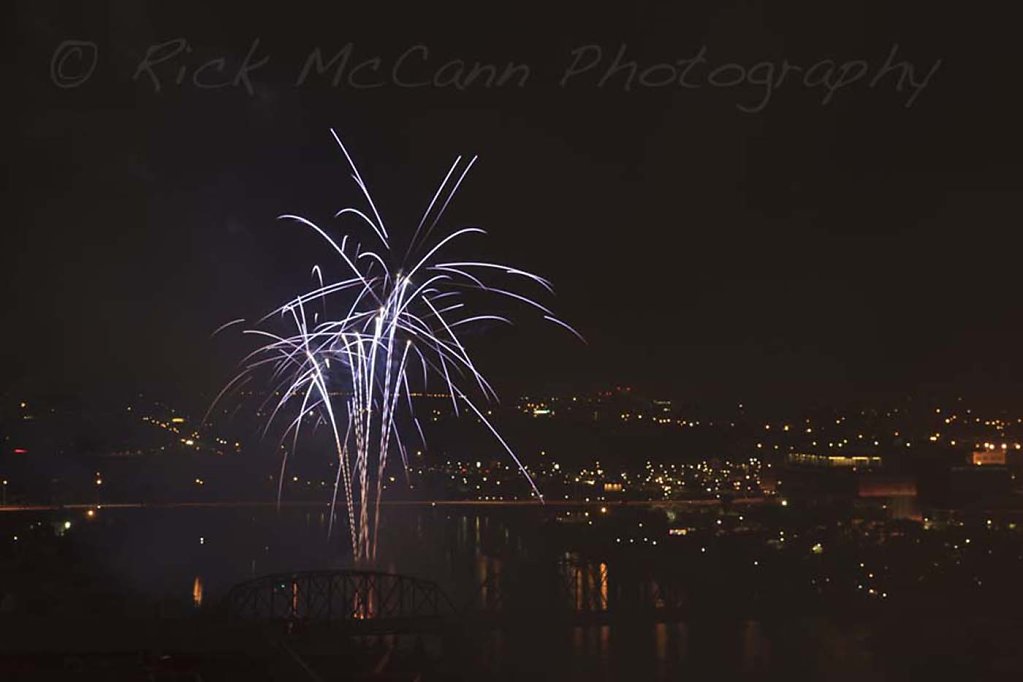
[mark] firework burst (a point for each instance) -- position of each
(355, 348)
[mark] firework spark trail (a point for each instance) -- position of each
(353, 370)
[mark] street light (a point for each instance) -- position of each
(5, 493)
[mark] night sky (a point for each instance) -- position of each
(805, 252)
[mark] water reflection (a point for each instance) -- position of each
(587, 583)
(488, 577)
(755, 650)
(472, 557)
(197, 591)
(629, 652)
(661, 641)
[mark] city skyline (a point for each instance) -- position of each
(436, 342)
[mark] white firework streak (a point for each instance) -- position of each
(391, 322)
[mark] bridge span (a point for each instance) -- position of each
(373, 602)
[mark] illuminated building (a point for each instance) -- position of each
(992, 457)
(842, 461)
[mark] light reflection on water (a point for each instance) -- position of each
(197, 591)
(158, 553)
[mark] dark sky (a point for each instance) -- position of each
(804, 252)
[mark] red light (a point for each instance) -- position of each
(20, 451)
